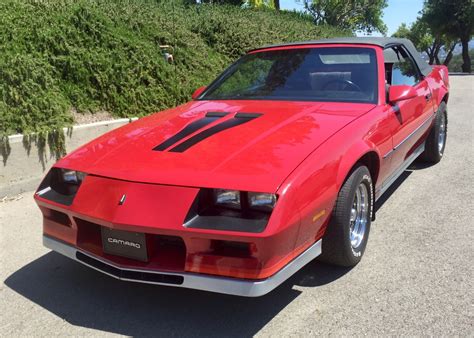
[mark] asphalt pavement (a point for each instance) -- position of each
(416, 277)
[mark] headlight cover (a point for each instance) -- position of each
(261, 201)
(72, 176)
(61, 185)
(221, 209)
(227, 198)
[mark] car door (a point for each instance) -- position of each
(413, 116)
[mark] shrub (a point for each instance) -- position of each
(90, 55)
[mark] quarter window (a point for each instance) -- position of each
(400, 68)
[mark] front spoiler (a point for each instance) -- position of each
(230, 286)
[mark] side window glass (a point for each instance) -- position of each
(404, 71)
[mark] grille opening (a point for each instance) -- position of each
(231, 249)
(57, 217)
(88, 236)
(131, 275)
(168, 251)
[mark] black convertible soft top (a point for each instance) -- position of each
(383, 42)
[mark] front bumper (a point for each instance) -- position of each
(231, 286)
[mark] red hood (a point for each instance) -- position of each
(256, 156)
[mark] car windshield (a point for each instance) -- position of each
(340, 74)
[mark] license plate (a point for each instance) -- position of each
(124, 243)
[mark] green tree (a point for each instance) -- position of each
(425, 40)
(456, 64)
(453, 19)
(219, 2)
(251, 3)
(263, 3)
(354, 15)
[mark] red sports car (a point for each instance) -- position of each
(275, 163)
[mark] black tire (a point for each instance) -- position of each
(336, 245)
(433, 152)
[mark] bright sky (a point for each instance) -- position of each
(398, 11)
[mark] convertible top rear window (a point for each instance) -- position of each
(339, 74)
(344, 58)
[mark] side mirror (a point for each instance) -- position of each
(400, 93)
(198, 92)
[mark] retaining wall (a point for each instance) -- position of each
(25, 166)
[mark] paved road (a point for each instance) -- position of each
(416, 277)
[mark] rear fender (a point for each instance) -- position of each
(441, 77)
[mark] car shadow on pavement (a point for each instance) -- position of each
(87, 298)
(387, 194)
(415, 166)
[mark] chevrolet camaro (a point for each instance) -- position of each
(278, 161)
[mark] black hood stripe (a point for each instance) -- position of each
(239, 119)
(189, 129)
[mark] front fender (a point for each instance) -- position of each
(365, 150)
(318, 179)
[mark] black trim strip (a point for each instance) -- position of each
(216, 114)
(234, 122)
(189, 129)
(399, 171)
(429, 119)
(139, 276)
(247, 115)
(408, 137)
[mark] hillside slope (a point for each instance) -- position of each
(89, 56)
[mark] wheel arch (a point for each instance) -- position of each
(445, 98)
(371, 158)
(368, 156)
(443, 95)
(372, 161)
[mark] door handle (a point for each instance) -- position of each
(428, 97)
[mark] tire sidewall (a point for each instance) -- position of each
(362, 176)
(432, 153)
(439, 117)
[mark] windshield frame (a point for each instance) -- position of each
(229, 70)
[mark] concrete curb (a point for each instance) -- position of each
(25, 167)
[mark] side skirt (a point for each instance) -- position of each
(392, 178)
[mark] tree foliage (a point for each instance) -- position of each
(260, 3)
(456, 63)
(441, 26)
(93, 55)
(453, 19)
(354, 15)
(426, 41)
(215, 2)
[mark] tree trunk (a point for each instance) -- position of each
(277, 4)
(450, 55)
(436, 52)
(431, 60)
(466, 66)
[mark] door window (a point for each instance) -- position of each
(400, 68)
